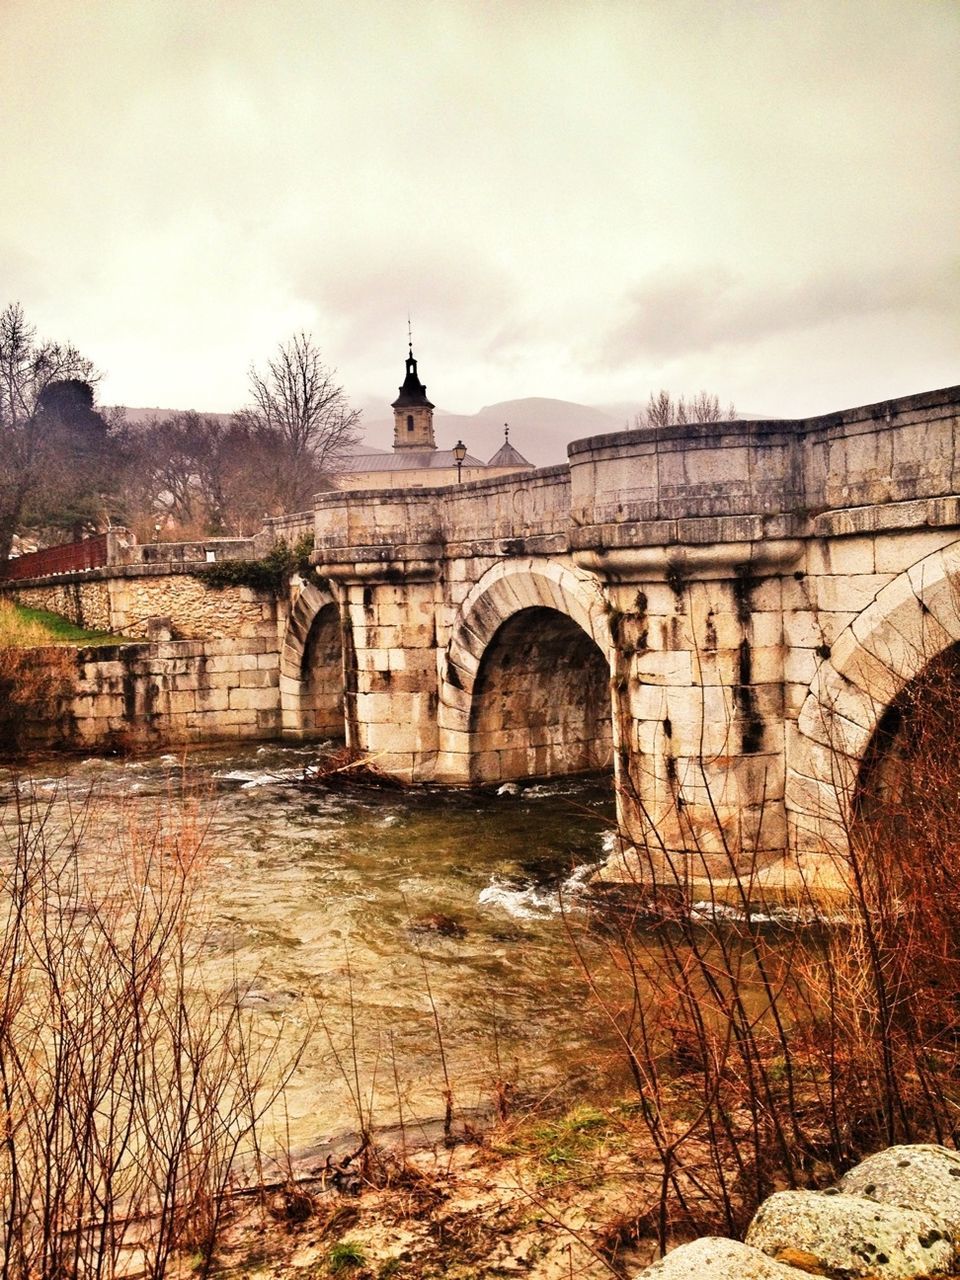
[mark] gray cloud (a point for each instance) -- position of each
(187, 184)
(686, 314)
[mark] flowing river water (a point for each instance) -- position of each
(377, 907)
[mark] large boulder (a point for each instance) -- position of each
(713, 1258)
(845, 1236)
(921, 1176)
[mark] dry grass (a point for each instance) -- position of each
(766, 1056)
(18, 632)
(131, 1094)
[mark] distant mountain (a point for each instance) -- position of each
(149, 416)
(540, 428)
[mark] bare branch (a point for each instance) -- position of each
(299, 399)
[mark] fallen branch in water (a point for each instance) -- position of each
(346, 767)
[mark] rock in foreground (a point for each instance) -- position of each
(920, 1176)
(713, 1258)
(846, 1236)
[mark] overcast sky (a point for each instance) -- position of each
(583, 200)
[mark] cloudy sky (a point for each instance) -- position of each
(582, 199)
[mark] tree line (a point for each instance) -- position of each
(68, 467)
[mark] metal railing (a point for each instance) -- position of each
(70, 557)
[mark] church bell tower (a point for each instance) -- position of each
(413, 412)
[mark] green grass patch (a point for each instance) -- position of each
(345, 1257)
(25, 628)
(565, 1148)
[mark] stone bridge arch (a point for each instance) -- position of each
(555, 620)
(311, 666)
(910, 622)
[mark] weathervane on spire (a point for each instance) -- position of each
(409, 332)
(506, 431)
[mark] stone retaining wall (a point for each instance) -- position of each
(150, 695)
(123, 600)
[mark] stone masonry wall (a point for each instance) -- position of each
(541, 704)
(124, 601)
(149, 695)
(84, 601)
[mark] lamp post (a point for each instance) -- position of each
(459, 452)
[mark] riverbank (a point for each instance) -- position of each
(543, 1197)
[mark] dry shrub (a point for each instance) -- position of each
(131, 1094)
(35, 689)
(769, 1052)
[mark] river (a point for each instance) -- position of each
(377, 906)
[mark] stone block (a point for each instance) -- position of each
(814, 801)
(841, 556)
(794, 696)
(668, 668)
(717, 667)
(180, 703)
(847, 593)
(456, 699)
(896, 552)
(766, 629)
(257, 679)
(232, 662)
(766, 665)
(241, 699)
(803, 629)
(767, 596)
(800, 665)
(211, 700)
(646, 701)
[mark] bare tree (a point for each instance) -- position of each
(663, 410)
(198, 474)
(298, 398)
(27, 369)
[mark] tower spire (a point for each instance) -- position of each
(412, 411)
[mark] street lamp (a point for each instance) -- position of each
(459, 452)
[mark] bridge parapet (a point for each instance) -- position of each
(895, 451)
(749, 481)
(892, 464)
(415, 524)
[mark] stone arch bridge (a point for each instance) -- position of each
(720, 614)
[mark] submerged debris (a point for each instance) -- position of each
(346, 768)
(436, 922)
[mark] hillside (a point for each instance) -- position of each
(541, 428)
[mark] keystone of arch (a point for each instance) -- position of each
(911, 620)
(503, 591)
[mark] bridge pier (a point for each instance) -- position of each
(390, 665)
(699, 691)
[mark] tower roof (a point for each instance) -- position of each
(507, 455)
(413, 393)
